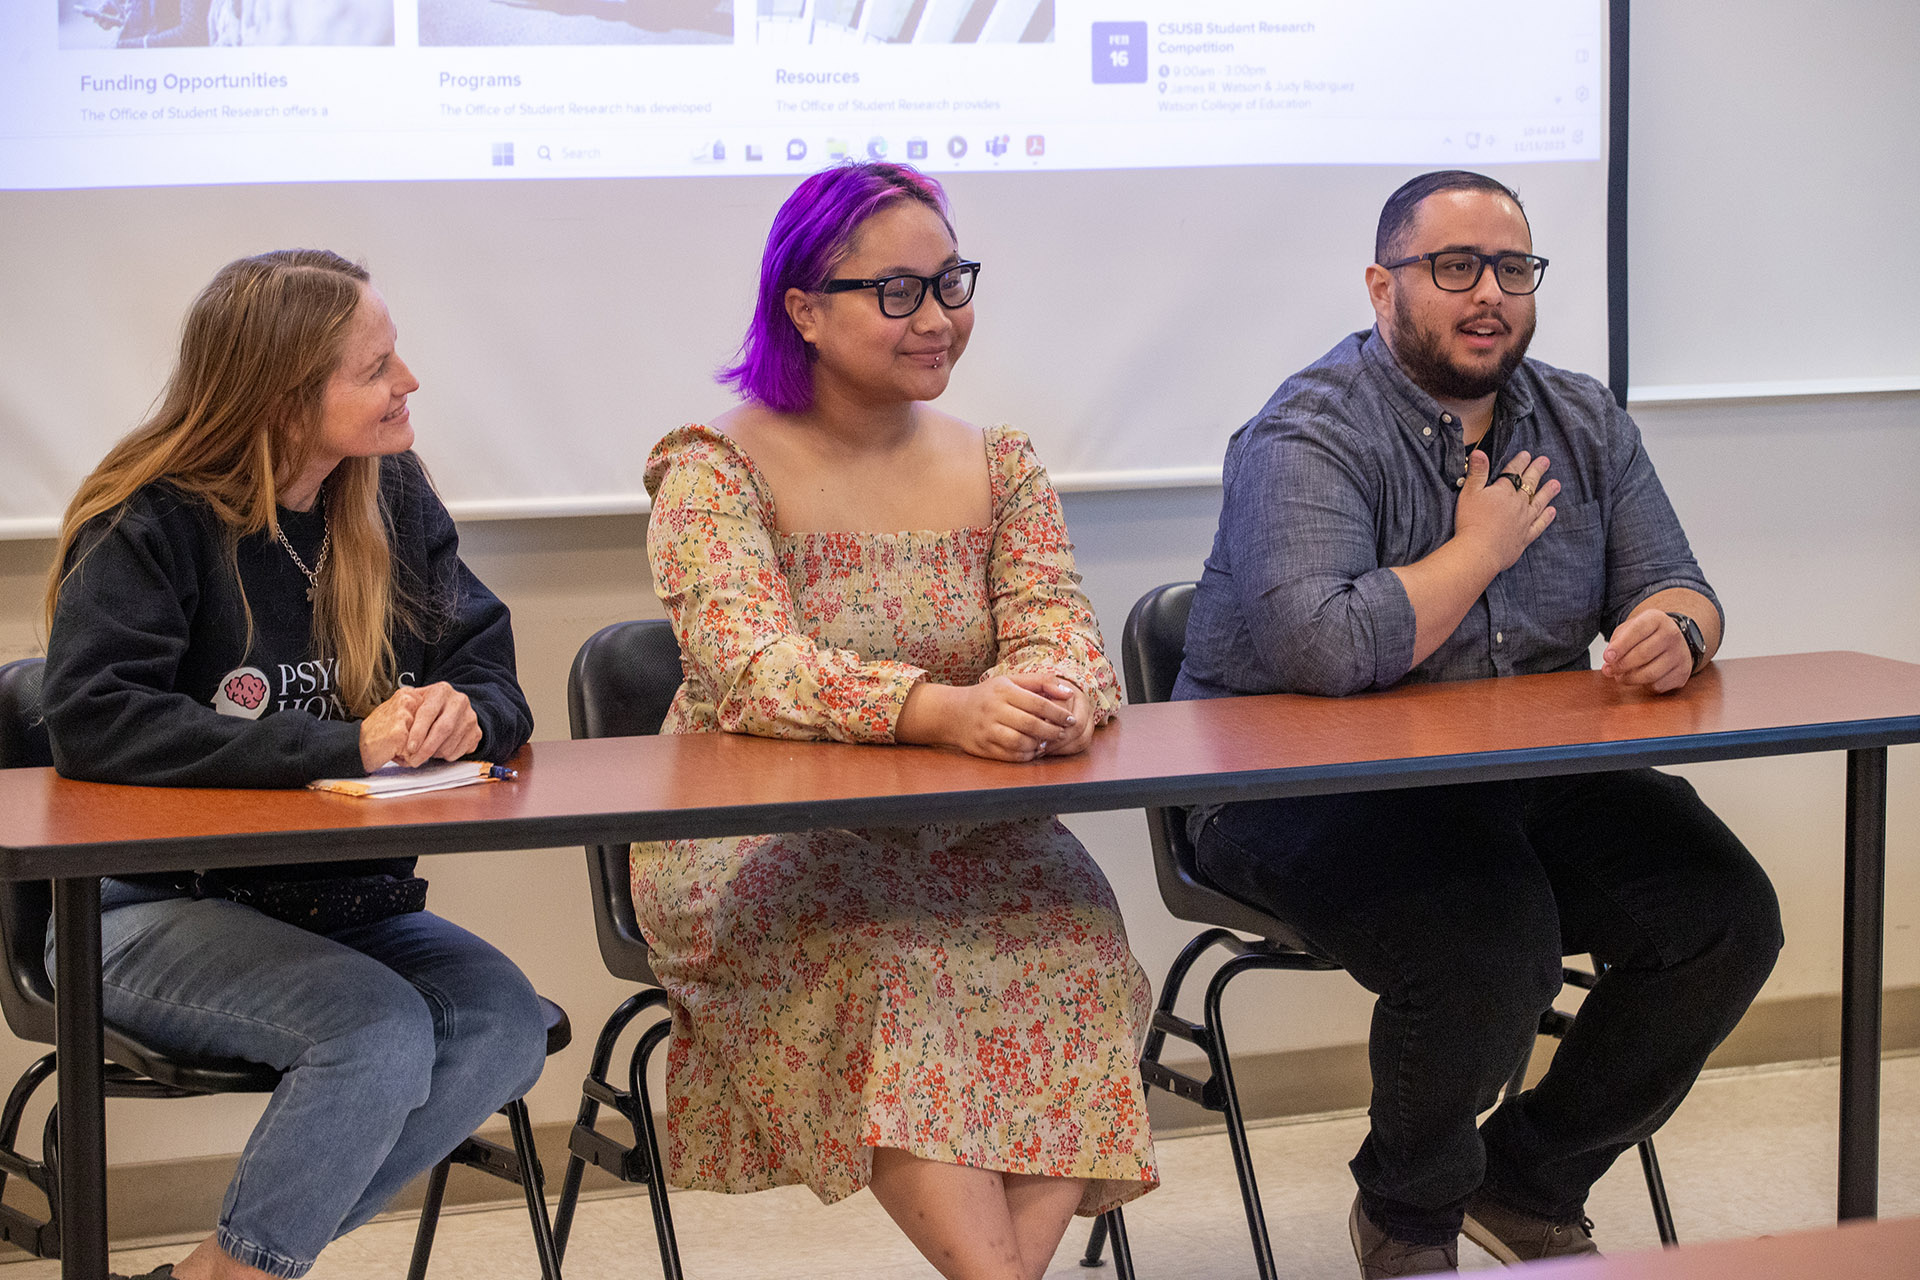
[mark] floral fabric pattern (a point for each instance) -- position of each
(961, 991)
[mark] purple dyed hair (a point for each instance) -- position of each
(810, 235)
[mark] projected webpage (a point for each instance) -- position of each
(164, 92)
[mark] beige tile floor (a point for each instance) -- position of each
(1751, 1152)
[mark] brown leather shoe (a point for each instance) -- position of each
(1384, 1258)
(1511, 1236)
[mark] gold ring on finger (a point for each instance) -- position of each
(1529, 490)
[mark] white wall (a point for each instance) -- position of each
(1802, 511)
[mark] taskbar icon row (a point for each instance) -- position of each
(834, 150)
(825, 151)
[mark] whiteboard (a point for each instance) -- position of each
(1775, 192)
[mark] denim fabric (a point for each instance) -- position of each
(1455, 905)
(1351, 470)
(397, 1039)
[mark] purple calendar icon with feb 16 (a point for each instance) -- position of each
(1119, 53)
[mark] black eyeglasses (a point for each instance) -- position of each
(900, 296)
(1458, 270)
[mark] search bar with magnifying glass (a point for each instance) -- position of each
(587, 151)
(607, 153)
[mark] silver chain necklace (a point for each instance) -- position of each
(319, 561)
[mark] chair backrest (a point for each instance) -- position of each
(1152, 646)
(23, 734)
(26, 995)
(622, 682)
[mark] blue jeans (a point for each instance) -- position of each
(1455, 905)
(396, 1040)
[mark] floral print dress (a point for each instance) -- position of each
(960, 991)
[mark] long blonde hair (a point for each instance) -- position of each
(237, 422)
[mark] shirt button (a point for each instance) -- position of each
(1426, 431)
(1447, 418)
(1499, 637)
(1458, 481)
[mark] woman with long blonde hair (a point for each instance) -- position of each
(259, 588)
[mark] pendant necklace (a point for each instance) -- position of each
(319, 562)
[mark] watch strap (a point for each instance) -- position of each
(1690, 632)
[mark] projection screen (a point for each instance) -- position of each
(564, 201)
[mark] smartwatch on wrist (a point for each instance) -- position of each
(1690, 632)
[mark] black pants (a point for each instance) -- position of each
(1455, 905)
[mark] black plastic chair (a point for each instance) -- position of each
(136, 1070)
(1152, 645)
(622, 682)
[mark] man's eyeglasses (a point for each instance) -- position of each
(1458, 270)
(900, 296)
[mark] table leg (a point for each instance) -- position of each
(83, 1107)
(1864, 942)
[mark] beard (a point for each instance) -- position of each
(1422, 353)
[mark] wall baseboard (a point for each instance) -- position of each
(1336, 1078)
(159, 1201)
(180, 1199)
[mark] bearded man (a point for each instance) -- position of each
(1426, 503)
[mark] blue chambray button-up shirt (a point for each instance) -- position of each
(1351, 469)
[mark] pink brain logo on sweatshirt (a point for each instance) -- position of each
(248, 690)
(242, 692)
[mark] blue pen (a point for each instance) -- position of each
(501, 771)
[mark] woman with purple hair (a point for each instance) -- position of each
(947, 1013)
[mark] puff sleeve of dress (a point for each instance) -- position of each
(1042, 620)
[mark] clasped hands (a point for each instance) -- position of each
(417, 724)
(110, 15)
(1019, 716)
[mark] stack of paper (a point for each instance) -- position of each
(398, 780)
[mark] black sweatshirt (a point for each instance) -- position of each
(149, 679)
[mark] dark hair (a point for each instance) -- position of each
(810, 235)
(1397, 214)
